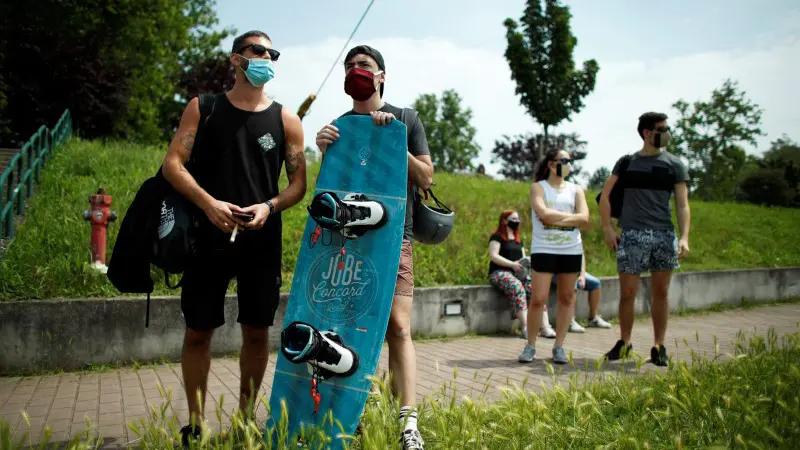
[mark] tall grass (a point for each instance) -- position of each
(50, 256)
(745, 399)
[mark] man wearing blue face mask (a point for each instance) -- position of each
(243, 140)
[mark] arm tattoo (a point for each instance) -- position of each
(188, 141)
(294, 159)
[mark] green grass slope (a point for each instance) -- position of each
(50, 256)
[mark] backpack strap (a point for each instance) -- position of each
(404, 112)
(623, 166)
(207, 104)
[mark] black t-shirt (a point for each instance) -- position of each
(417, 145)
(239, 161)
(511, 250)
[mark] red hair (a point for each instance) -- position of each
(501, 226)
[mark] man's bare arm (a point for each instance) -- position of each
(420, 170)
(295, 163)
(682, 209)
(605, 203)
(180, 149)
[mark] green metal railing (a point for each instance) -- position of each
(17, 181)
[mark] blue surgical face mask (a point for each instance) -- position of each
(259, 71)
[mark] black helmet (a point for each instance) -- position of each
(432, 224)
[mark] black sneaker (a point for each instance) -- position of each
(619, 351)
(188, 434)
(658, 356)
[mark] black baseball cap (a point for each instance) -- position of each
(369, 51)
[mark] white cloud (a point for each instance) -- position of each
(624, 89)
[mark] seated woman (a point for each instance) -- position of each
(505, 253)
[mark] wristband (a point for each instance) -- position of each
(271, 206)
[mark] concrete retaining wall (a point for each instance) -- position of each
(47, 334)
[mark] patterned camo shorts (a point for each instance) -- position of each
(647, 250)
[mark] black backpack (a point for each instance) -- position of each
(616, 197)
(159, 227)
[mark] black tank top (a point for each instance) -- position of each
(240, 162)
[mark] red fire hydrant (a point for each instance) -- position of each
(100, 216)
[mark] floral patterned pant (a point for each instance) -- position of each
(517, 292)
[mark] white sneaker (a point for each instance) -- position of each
(412, 440)
(598, 322)
(575, 327)
(547, 332)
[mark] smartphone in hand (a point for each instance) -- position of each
(246, 217)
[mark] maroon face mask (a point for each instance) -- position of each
(359, 84)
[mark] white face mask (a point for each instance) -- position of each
(661, 140)
(565, 169)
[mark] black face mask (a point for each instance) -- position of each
(513, 225)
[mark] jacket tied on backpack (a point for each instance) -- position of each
(159, 228)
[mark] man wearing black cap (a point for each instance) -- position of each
(365, 74)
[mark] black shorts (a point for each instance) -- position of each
(553, 263)
(206, 280)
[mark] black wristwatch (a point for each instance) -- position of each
(271, 206)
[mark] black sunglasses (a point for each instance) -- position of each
(259, 50)
(664, 129)
(563, 160)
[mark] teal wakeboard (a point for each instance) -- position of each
(343, 286)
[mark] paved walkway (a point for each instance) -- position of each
(110, 400)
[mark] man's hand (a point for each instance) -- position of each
(381, 118)
(221, 215)
(683, 248)
(261, 212)
(582, 280)
(611, 237)
(326, 136)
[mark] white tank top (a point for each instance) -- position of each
(551, 239)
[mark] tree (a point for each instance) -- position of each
(767, 187)
(520, 156)
(709, 134)
(540, 59)
(783, 152)
(311, 155)
(170, 36)
(777, 179)
(44, 75)
(451, 137)
(4, 129)
(211, 74)
(115, 66)
(598, 178)
(205, 67)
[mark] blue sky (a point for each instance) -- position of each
(649, 57)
